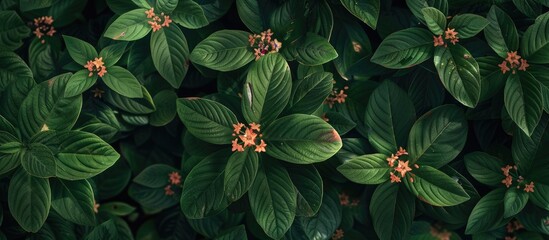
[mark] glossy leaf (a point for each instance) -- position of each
(155, 176)
(301, 139)
(390, 114)
(267, 89)
(170, 54)
(130, 26)
(392, 210)
(485, 168)
(523, 101)
(535, 42)
(38, 161)
(366, 11)
(468, 25)
(417, 5)
(435, 187)
(74, 200)
(123, 82)
(310, 190)
(29, 200)
(438, 136)
(189, 14)
(328, 218)
(404, 48)
(459, 73)
(112, 53)
(488, 213)
(240, 173)
(12, 31)
(366, 169)
(225, 50)
(514, 201)
(273, 199)
(208, 120)
(79, 82)
(501, 33)
(166, 110)
(435, 19)
(312, 50)
(80, 51)
(310, 92)
(12, 67)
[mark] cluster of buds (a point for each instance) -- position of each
(43, 27)
(512, 227)
(263, 43)
(174, 178)
(514, 63)
(97, 65)
(402, 168)
(156, 21)
(338, 234)
(508, 180)
(439, 233)
(336, 96)
(344, 201)
(449, 34)
(248, 137)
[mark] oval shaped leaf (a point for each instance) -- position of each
(155, 176)
(123, 82)
(38, 161)
(206, 119)
(310, 92)
(535, 42)
(485, 168)
(12, 67)
(392, 209)
(435, 19)
(404, 48)
(366, 169)
(438, 136)
(312, 50)
(189, 14)
(79, 82)
(327, 220)
(170, 54)
(514, 201)
(501, 33)
(130, 26)
(488, 213)
(80, 51)
(224, 50)
(301, 139)
(167, 109)
(523, 101)
(366, 11)
(240, 173)
(74, 201)
(308, 183)
(435, 187)
(12, 31)
(468, 25)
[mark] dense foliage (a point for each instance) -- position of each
(274, 119)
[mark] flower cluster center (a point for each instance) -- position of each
(336, 96)
(43, 27)
(97, 65)
(513, 60)
(402, 168)
(174, 178)
(248, 137)
(508, 180)
(156, 21)
(263, 43)
(449, 34)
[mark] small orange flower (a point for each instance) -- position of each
(403, 168)
(529, 187)
(343, 199)
(506, 170)
(102, 72)
(391, 160)
(340, 97)
(451, 35)
(167, 21)
(150, 13)
(237, 127)
(338, 234)
(503, 67)
(255, 126)
(38, 33)
(401, 151)
(394, 178)
(98, 62)
(523, 65)
(43, 27)
(95, 206)
(513, 58)
(248, 138)
(168, 190)
(155, 26)
(261, 146)
(263, 43)
(236, 146)
(175, 178)
(438, 41)
(508, 181)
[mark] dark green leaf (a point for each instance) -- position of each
(166, 110)
(435, 19)
(523, 101)
(130, 26)
(112, 53)
(240, 173)
(122, 82)
(143, 105)
(417, 5)
(366, 11)
(80, 51)
(514, 201)
(488, 213)
(312, 50)
(392, 210)
(501, 33)
(38, 161)
(12, 31)
(235, 233)
(80, 82)
(327, 220)
(117, 208)
(189, 14)
(468, 25)
(404, 48)
(435, 187)
(155, 176)
(225, 50)
(535, 42)
(170, 54)
(12, 67)
(74, 201)
(309, 93)
(308, 183)
(366, 169)
(485, 168)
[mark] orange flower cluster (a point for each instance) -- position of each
(512, 227)
(450, 34)
(263, 43)
(440, 234)
(248, 136)
(338, 234)
(156, 23)
(508, 180)
(402, 166)
(43, 27)
(174, 178)
(514, 63)
(344, 201)
(336, 96)
(97, 65)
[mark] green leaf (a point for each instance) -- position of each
(273, 198)
(12, 67)
(353, 47)
(41, 57)
(251, 12)
(492, 80)
(438, 136)
(312, 50)
(301, 139)
(234, 233)
(15, 93)
(540, 196)
(80, 51)
(523, 101)
(170, 54)
(117, 208)
(366, 169)
(189, 14)
(82, 155)
(535, 42)
(240, 173)
(327, 220)
(45, 108)
(530, 8)
(122, 82)
(435, 187)
(514, 201)
(404, 48)
(203, 193)
(340, 122)
(166, 6)
(29, 200)
(224, 50)
(73, 200)
(435, 19)
(366, 11)
(524, 148)
(104, 231)
(459, 73)
(130, 26)
(468, 25)
(392, 210)
(485, 168)
(417, 5)
(267, 89)
(390, 114)
(501, 33)
(112, 53)
(308, 183)
(166, 110)
(12, 31)
(488, 213)
(38, 161)
(208, 120)
(533, 218)
(28, 5)
(9, 161)
(155, 176)
(309, 93)
(79, 82)
(143, 105)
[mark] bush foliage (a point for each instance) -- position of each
(274, 119)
